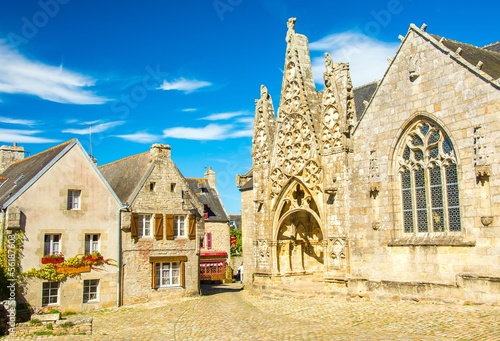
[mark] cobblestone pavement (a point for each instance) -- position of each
(225, 312)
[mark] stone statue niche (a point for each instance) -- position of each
(299, 244)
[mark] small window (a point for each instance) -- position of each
(172, 187)
(52, 244)
(92, 243)
(74, 197)
(144, 228)
(50, 293)
(179, 226)
(90, 290)
(152, 186)
(167, 274)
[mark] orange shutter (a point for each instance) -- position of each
(170, 226)
(134, 222)
(153, 276)
(192, 227)
(158, 226)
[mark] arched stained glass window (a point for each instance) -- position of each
(429, 181)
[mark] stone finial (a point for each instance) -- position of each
(479, 65)
(291, 29)
(424, 27)
(400, 37)
(263, 92)
(459, 51)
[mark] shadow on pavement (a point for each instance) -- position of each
(214, 289)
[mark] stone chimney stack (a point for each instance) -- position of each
(210, 177)
(10, 154)
(160, 151)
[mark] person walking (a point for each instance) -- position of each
(240, 272)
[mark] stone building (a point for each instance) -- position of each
(388, 189)
(161, 232)
(62, 204)
(216, 237)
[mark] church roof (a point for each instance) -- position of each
(363, 94)
(473, 54)
(495, 47)
(125, 175)
(209, 197)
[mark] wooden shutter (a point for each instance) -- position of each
(134, 223)
(209, 240)
(153, 275)
(170, 226)
(192, 227)
(158, 226)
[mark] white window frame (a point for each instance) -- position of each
(92, 243)
(90, 290)
(74, 199)
(144, 228)
(167, 274)
(50, 293)
(180, 230)
(52, 243)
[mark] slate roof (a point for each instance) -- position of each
(126, 174)
(208, 196)
(474, 54)
(236, 218)
(495, 47)
(22, 173)
(248, 185)
(361, 94)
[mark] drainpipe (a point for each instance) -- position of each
(124, 208)
(3, 225)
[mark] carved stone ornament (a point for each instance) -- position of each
(376, 225)
(487, 220)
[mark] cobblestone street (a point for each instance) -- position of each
(227, 313)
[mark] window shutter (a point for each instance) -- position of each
(209, 240)
(134, 222)
(192, 227)
(88, 248)
(170, 226)
(158, 226)
(153, 275)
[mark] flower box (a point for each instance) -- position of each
(46, 317)
(52, 259)
(69, 270)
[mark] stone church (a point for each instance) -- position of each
(385, 190)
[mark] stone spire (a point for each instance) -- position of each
(264, 128)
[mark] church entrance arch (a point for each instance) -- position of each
(299, 236)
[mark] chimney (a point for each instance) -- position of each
(210, 177)
(160, 151)
(10, 154)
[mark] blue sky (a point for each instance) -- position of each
(187, 73)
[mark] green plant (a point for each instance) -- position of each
(49, 326)
(68, 324)
(44, 332)
(236, 250)
(35, 322)
(69, 313)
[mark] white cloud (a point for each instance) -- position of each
(23, 136)
(19, 121)
(97, 128)
(367, 57)
(209, 132)
(182, 84)
(189, 110)
(223, 116)
(141, 137)
(19, 75)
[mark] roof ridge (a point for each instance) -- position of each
(44, 151)
(124, 159)
(491, 44)
(369, 83)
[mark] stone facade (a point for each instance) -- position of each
(161, 231)
(40, 210)
(394, 196)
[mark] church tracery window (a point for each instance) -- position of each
(429, 181)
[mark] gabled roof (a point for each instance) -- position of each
(474, 54)
(208, 196)
(362, 94)
(128, 174)
(19, 176)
